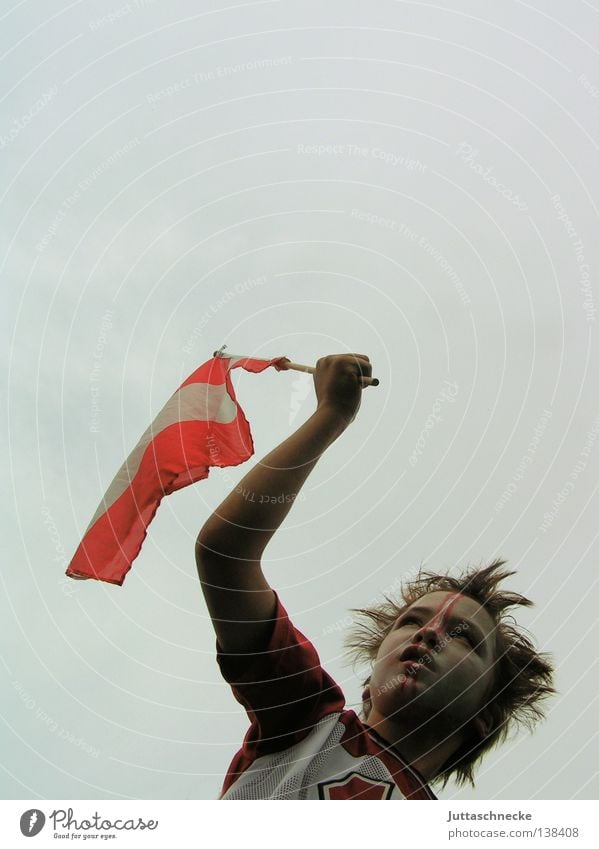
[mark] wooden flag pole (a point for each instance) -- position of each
(367, 381)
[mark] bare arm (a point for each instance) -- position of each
(230, 545)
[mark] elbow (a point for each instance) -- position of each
(212, 537)
(227, 544)
(208, 546)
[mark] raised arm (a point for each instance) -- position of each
(230, 545)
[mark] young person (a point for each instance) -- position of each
(449, 675)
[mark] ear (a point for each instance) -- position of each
(366, 703)
(482, 723)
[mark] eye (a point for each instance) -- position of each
(464, 635)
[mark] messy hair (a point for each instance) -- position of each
(523, 676)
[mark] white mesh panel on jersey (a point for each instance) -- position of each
(316, 767)
(317, 770)
(284, 775)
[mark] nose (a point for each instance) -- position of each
(428, 634)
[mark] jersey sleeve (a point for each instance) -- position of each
(284, 689)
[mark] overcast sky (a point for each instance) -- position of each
(412, 181)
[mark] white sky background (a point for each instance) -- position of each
(161, 180)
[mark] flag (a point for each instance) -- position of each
(201, 425)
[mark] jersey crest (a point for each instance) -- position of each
(355, 786)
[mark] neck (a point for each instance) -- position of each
(421, 747)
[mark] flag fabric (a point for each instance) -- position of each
(201, 425)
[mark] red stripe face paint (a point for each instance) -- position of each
(438, 623)
(442, 614)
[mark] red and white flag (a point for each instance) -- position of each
(201, 425)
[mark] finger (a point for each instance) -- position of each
(359, 361)
(363, 367)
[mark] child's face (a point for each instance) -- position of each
(454, 637)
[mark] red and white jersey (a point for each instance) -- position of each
(301, 743)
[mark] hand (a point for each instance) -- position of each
(338, 382)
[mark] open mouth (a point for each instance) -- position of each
(413, 665)
(413, 654)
